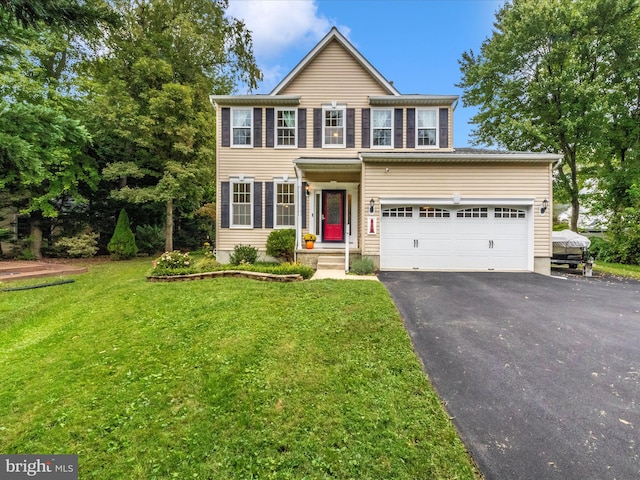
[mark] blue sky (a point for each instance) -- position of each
(414, 43)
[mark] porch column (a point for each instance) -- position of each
(298, 206)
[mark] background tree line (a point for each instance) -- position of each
(104, 104)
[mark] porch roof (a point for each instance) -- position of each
(325, 164)
(463, 155)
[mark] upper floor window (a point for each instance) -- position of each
(426, 128)
(382, 128)
(241, 127)
(333, 127)
(286, 128)
(241, 203)
(285, 204)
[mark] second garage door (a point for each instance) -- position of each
(446, 238)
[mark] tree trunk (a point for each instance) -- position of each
(36, 238)
(168, 233)
(575, 212)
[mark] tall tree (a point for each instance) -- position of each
(42, 159)
(543, 81)
(151, 117)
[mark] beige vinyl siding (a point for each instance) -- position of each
(470, 180)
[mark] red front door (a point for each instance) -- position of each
(333, 215)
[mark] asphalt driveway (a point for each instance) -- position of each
(541, 375)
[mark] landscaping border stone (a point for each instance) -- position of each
(265, 277)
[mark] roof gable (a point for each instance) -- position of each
(335, 35)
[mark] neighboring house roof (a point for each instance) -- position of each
(334, 34)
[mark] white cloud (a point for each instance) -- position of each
(277, 25)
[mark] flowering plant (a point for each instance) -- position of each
(173, 259)
(309, 237)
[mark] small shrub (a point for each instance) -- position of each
(243, 254)
(83, 245)
(281, 244)
(207, 264)
(363, 266)
(173, 263)
(123, 243)
(150, 239)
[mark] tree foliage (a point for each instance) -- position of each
(561, 76)
(149, 109)
(43, 161)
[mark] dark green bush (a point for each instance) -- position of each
(123, 243)
(150, 239)
(243, 254)
(363, 266)
(281, 244)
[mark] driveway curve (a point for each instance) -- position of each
(541, 375)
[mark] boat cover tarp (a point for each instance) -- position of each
(570, 239)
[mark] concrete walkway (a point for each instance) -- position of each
(324, 273)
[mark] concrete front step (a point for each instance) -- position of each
(330, 262)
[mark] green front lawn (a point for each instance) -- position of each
(618, 269)
(219, 379)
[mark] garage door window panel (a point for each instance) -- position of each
(509, 213)
(430, 212)
(477, 212)
(398, 212)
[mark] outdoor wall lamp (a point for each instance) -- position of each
(307, 189)
(544, 206)
(372, 205)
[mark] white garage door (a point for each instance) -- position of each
(446, 238)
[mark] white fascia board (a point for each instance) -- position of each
(412, 100)
(254, 100)
(426, 157)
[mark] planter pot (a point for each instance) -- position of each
(309, 245)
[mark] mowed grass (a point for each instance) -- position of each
(618, 269)
(219, 379)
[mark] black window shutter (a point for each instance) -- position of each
(302, 128)
(317, 128)
(397, 127)
(304, 204)
(226, 127)
(257, 205)
(411, 127)
(268, 204)
(444, 128)
(224, 208)
(351, 127)
(366, 125)
(270, 127)
(257, 127)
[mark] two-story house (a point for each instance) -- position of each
(337, 151)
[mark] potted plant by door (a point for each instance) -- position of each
(309, 239)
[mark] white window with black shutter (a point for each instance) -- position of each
(334, 127)
(382, 128)
(286, 128)
(284, 203)
(427, 128)
(241, 202)
(241, 127)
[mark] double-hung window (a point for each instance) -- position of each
(382, 128)
(427, 128)
(241, 203)
(334, 127)
(286, 128)
(241, 127)
(285, 213)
